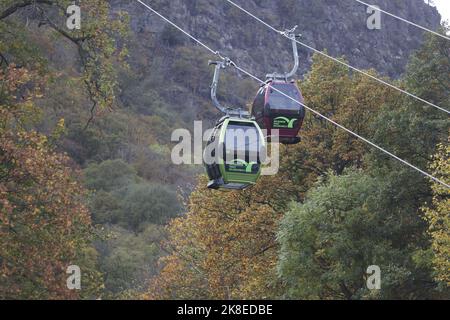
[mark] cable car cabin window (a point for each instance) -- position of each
(278, 101)
(242, 147)
(258, 104)
(241, 137)
(214, 139)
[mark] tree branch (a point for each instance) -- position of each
(22, 4)
(75, 40)
(3, 59)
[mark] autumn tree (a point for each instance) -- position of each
(225, 246)
(413, 132)
(96, 42)
(355, 219)
(45, 221)
(129, 260)
(413, 129)
(346, 224)
(351, 100)
(44, 224)
(438, 216)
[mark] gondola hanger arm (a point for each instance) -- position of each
(226, 62)
(290, 33)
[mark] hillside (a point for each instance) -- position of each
(85, 125)
(167, 62)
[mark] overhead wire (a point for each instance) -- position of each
(283, 33)
(217, 53)
(403, 19)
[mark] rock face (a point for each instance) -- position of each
(339, 26)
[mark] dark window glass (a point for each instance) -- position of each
(278, 101)
(241, 138)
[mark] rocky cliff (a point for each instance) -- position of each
(168, 64)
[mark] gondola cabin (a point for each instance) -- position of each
(278, 105)
(234, 153)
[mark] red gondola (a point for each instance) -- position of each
(279, 103)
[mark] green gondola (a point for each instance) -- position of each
(234, 152)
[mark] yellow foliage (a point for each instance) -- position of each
(438, 215)
(353, 101)
(225, 246)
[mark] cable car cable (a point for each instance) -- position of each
(341, 62)
(310, 109)
(291, 35)
(350, 131)
(180, 29)
(404, 20)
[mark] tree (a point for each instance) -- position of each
(346, 224)
(438, 216)
(120, 196)
(129, 260)
(412, 129)
(44, 227)
(109, 175)
(44, 224)
(95, 41)
(353, 220)
(224, 247)
(351, 100)
(148, 203)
